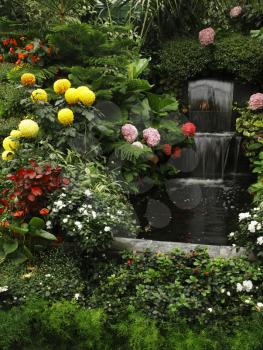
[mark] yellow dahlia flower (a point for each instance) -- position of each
(28, 128)
(8, 155)
(39, 95)
(61, 86)
(72, 96)
(16, 133)
(10, 144)
(86, 96)
(28, 79)
(65, 116)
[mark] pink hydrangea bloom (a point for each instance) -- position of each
(207, 36)
(129, 132)
(151, 136)
(256, 101)
(235, 11)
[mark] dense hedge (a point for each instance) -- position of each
(65, 325)
(236, 55)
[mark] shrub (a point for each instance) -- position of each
(180, 286)
(238, 55)
(55, 276)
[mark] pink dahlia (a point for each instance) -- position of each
(235, 11)
(188, 129)
(207, 36)
(256, 101)
(129, 132)
(151, 136)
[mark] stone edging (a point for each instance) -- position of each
(139, 246)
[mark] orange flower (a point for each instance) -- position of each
(35, 58)
(44, 211)
(13, 42)
(22, 55)
(6, 42)
(1, 58)
(29, 47)
(18, 61)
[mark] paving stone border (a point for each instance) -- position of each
(139, 246)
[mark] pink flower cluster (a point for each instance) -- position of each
(256, 101)
(235, 11)
(207, 36)
(129, 132)
(151, 136)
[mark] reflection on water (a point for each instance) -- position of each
(193, 210)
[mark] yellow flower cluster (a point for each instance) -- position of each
(28, 79)
(27, 128)
(72, 96)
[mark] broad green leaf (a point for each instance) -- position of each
(10, 246)
(36, 224)
(136, 68)
(19, 229)
(46, 235)
(161, 104)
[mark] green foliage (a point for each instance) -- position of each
(235, 54)
(180, 286)
(10, 96)
(53, 277)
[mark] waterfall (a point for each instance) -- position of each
(210, 103)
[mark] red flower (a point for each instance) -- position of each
(206, 274)
(18, 61)
(36, 191)
(130, 262)
(6, 42)
(4, 202)
(2, 210)
(1, 58)
(66, 181)
(188, 129)
(44, 211)
(13, 42)
(167, 149)
(18, 213)
(35, 58)
(177, 152)
(29, 47)
(11, 50)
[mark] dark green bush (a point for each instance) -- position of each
(179, 286)
(67, 326)
(56, 275)
(237, 55)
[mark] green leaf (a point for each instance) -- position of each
(137, 85)
(10, 246)
(46, 235)
(161, 104)
(36, 224)
(19, 229)
(136, 68)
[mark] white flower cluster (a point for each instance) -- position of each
(260, 240)
(246, 286)
(3, 289)
(254, 226)
(243, 216)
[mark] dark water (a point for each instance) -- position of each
(202, 205)
(193, 210)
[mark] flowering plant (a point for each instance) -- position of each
(250, 233)
(23, 50)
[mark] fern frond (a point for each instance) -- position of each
(127, 151)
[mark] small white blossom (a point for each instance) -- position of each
(259, 305)
(49, 224)
(259, 226)
(94, 214)
(48, 275)
(65, 220)
(78, 224)
(77, 296)
(239, 287)
(247, 285)
(243, 216)
(87, 193)
(210, 309)
(228, 293)
(90, 206)
(107, 228)
(260, 240)
(3, 289)
(222, 290)
(252, 226)
(231, 234)
(119, 212)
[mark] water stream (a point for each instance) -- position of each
(202, 205)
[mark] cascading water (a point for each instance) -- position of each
(202, 205)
